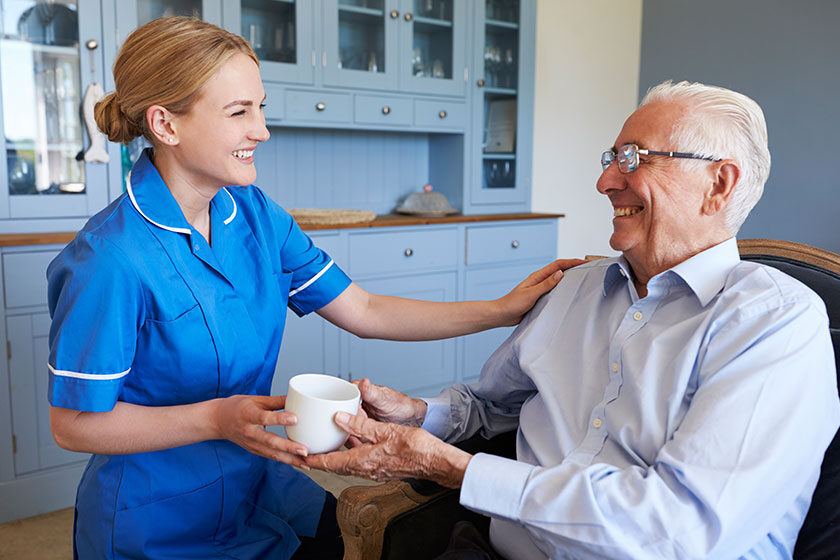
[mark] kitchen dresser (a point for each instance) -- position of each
(367, 100)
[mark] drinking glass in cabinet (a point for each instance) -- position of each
(39, 60)
(147, 10)
(269, 25)
(499, 173)
(361, 35)
(432, 50)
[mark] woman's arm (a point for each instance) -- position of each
(129, 428)
(374, 316)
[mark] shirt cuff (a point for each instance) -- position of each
(437, 418)
(494, 485)
(318, 291)
(90, 395)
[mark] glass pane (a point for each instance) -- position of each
(499, 173)
(147, 10)
(501, 57)
(39, 59)
(503, 10)
(361, 35)
(269, 25)
(431, 55)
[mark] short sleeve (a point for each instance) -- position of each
(96, 305)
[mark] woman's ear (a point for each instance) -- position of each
(725, 176)
(161, 123)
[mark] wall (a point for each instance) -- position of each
(587, 75)
(784, 55)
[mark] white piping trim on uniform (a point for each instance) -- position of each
(94, 376)
(134, 202)
(233, 214)
(311, 280)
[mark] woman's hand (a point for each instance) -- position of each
(515, 304)
(388, 405)
(393, 452)
(242, 420)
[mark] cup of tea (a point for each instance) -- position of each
(315, 398)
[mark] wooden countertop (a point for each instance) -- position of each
(382, 220)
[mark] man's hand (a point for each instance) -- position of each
(388, 405)
(393, 452)
(522, 298)
(242, 420)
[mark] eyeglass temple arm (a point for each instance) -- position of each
(676, 155)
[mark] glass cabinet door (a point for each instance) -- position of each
(434, 46)
(497, 103)
(280, 32)
(44, 70)
(360, 39)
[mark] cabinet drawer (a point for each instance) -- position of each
(509, 243)
(25, 278)
(402, 252)
(318, 106)
(383, 110)
(440, 114)
(273, 109)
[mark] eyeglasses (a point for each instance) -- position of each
(628, 157)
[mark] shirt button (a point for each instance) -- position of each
(615, 366)
(637, 315)
(621, 270)
(597, 422)
(195, 246)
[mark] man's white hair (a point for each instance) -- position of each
(724, 124)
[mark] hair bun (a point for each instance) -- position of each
(113, 122)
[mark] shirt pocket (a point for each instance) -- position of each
(182, 526)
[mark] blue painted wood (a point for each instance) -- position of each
(525, 241)
(441, 115)
(406, 366)
(275, 105)
(25, 279)
(386, 111)
(318, 107)
(402, 252)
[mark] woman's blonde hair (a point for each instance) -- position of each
(164, 62)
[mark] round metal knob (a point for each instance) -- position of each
(408, 17)
(321, 106)
(514, 244)
(408, 252)
(92, 44)
(386, 110)
(394, 14)
(442, 114)
(480, 83)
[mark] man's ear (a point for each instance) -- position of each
(161, 123)
(725, 176)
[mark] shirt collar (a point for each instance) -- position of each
(154, 201)
(705, 273)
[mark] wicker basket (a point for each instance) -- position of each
(329, 216)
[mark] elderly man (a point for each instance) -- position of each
(673, 402)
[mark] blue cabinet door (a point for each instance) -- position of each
(35, 447)
(485, 284)
(45, 70)
(280, 32)
(412, 367)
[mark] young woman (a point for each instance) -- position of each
(168, 311)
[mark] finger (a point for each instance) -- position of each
(277, 402)
(270, 418)
(359, 426)
(566, 264)
(276, 443)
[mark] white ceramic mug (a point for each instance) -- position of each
(315, 398)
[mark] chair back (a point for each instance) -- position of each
(820, 271)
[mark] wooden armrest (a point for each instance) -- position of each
(364, 512)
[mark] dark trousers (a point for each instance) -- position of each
(327, 543)
(468, 543)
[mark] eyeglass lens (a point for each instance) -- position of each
(627, 156)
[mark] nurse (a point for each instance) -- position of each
(168, 311)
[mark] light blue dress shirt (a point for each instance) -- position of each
(690, 423)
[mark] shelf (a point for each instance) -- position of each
(500, 156)
(499, 91)
(72, 51)
(359, 11)
(501, 24)
(432, 22)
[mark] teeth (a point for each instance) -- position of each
(242, 154)
(617, 212)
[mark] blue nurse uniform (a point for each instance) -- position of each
(146, 312)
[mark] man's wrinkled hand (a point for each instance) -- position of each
(392, 452)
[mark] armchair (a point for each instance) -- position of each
(412, 519)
